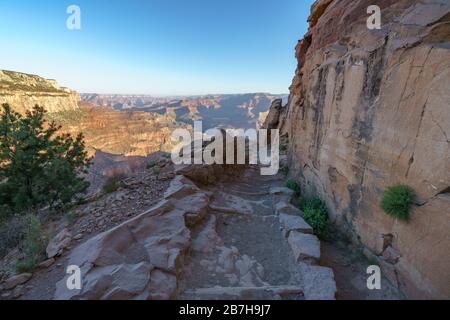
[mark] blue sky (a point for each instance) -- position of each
(158, 47)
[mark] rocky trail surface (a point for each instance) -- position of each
(231, 240)
(171, 239)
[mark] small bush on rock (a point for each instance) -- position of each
(315, 213)
(111, 185)
(11, 233)
(33, 246)
(397, 201)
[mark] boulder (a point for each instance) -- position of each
(57, 245)
(180, 187)
(366, 113)
(306, 247)
(273, 118)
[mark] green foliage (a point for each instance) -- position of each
(111, 185)
(38, 167)
(34, 246)
(397, 201)
(293, 185)
(283, 147)
(315, 213)
(285, 170)
(156, 170)
(11, 233)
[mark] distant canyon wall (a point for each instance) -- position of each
(23, 91)
(370, 109)
(215, 111)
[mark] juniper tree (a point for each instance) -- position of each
(39, 166)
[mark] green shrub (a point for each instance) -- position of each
(285, 170)
(283, 147)
(318, 220)
(156, 170)
(397, 201)
(315, 213)
(293, 185)
(314, 203)
(33, 246)
(111, 185)
(11, 233)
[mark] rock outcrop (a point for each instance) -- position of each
(129, 133)
(141, 258)
(23, 91)
(369, 109)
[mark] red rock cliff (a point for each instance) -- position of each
(369, 109)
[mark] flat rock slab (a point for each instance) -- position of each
(287, 208)
(59, 243)
(318, 282)
(294, 223)
(306, 247)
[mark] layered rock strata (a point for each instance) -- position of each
(369, 109)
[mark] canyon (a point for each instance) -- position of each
(241, 111)
(367, 109)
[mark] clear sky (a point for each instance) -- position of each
(158, 47)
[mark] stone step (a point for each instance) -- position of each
(294, 223)
(245, 293)
(305, 247)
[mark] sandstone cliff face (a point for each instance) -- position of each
(369, 109)
(23, 91)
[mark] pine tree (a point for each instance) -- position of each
(38, 166)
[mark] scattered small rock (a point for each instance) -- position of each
(57, 245)
(47, 263)
(78, 236)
